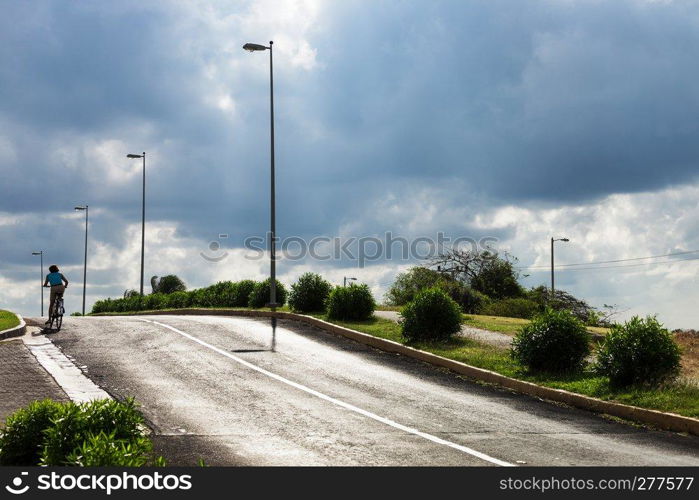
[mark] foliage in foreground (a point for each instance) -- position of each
(102, 432)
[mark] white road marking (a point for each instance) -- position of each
(337, 402)
(74, 383)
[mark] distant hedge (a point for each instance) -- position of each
(222, 294)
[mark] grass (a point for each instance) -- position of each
(681, 397)
(510, 326)
(8, 320)
(502, 324)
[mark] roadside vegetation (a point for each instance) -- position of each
(95, 434)
(8, 320)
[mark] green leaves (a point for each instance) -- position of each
(432, 315)
(554, 341)
(98, 433)
(351, 303)
(309, 293)
(639, 351)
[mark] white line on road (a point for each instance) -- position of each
(338, 402)
(74, 383)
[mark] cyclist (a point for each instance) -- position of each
(56, 279)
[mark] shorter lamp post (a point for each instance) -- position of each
(346, 279)
(41, 278)
(553, 290)
(143, 213)
(87, 210)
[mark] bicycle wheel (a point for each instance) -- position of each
(59, 322)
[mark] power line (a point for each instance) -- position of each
(618, 267)
(615, 261)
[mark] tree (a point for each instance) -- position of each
(497, 279)
(562, 301)
(486, 272)
(410, 283)
(167, 284)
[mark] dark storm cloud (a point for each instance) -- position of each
(499, 101)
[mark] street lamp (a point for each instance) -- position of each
(86, 208)
(41, 278)
(553, 293)
(254, 47)
(143, 214)
(346, 279)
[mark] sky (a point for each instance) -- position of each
(511, 120)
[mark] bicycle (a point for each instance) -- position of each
(56, 311)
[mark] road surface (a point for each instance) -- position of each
(211, 388)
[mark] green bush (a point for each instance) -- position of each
(179, 300)
(75, 422)
(309, 293)
(554, 341)
(641, 351)
(432, 315)
(22, 438)
(104, 450)
(103, 432)
(511, 308)
(154, 302)
(471, 301)
(350, 303)
(222, 294)
(259, 296)
(243, 289)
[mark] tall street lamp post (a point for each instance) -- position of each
(254, 47)
(143, 214)
(553, 291)
(41, 278)
(86, 208)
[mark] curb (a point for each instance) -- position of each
(667, 421)
(16, 331)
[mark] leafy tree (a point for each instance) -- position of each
(497, 279)
(167, 284)
(408, 284)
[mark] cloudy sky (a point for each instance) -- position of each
(512, 119)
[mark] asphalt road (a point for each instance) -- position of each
(211, 388)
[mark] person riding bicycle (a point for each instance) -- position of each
(56, 279)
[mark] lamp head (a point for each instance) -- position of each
(37, 253)
(254, 47)
(565, 239)
(80, 208)
(134, 156)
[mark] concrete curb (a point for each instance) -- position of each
(667, 421)
(16, 331)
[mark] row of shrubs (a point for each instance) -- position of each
(311, 293)
(246, 293)
(95, 434)
(640, 351)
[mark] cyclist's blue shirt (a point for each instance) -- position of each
(55, 278)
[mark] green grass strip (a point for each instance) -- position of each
(8, 320)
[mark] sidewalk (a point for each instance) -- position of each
(23, 379)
